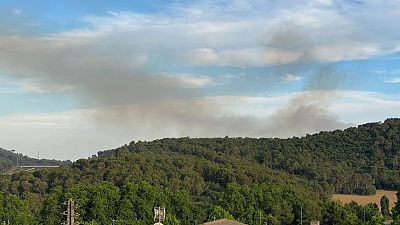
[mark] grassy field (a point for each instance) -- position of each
(363, 200)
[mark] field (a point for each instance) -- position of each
(363, 200)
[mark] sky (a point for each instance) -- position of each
(78, 77)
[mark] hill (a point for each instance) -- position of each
(9, 159)
(237, 177)
(355, 160)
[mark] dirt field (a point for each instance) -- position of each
(363, 200)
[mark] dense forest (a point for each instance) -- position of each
(253, 180)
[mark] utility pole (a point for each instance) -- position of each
(364, 215)
(70, 213)
(301, 215)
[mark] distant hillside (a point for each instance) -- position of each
(355, 160)
(237, 176)
(8, 159)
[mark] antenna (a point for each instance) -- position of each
(159, 214)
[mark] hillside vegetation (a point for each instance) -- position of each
(243, 178)
(9, 159)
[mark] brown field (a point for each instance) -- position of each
(363, 200)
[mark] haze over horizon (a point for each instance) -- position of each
(77, 77)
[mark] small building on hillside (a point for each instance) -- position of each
(314, 222)
(223, 222)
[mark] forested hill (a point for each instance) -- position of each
(355, 160)
(8, 159)
(202, 178)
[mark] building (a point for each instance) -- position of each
(314, 222)
(224, 222)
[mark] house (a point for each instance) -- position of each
(223, 222)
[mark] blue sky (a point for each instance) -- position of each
(81, 76)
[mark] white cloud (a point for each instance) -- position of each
(291, 78)
(325, 2)
(215, 33)
(194, 81)
(32, 86)
(218, 34)
(393, 80)
(186, 80)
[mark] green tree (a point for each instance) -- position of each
(396, 220)
(52, 207)
(170, 219)
(385, 206)
(103, 202)
(335, 213)
(217, 212)
(370, 210)
(17, 211)
(126, 208)
(1, 207)
(376, 220)
(351, 219)
(396, 209)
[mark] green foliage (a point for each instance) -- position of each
(1, 206)
(396, 220)
(16, 211)
(217, 212)
(279, 181)
(385, 208)
(396, 209)
(376, 220)
(8, 161)
(351, 219)
(52, 207)
(171, 220)
(334, 214)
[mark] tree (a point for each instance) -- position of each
(52, 207)
(335, 214)
(369, 210)
(217, 212)
(351, 219)
(376, 220)
(126, 209)
(17, 211)
(396, 220)
(1, 207)
(385, 206)
(171, 220)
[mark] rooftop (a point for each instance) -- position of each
(224, 222)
